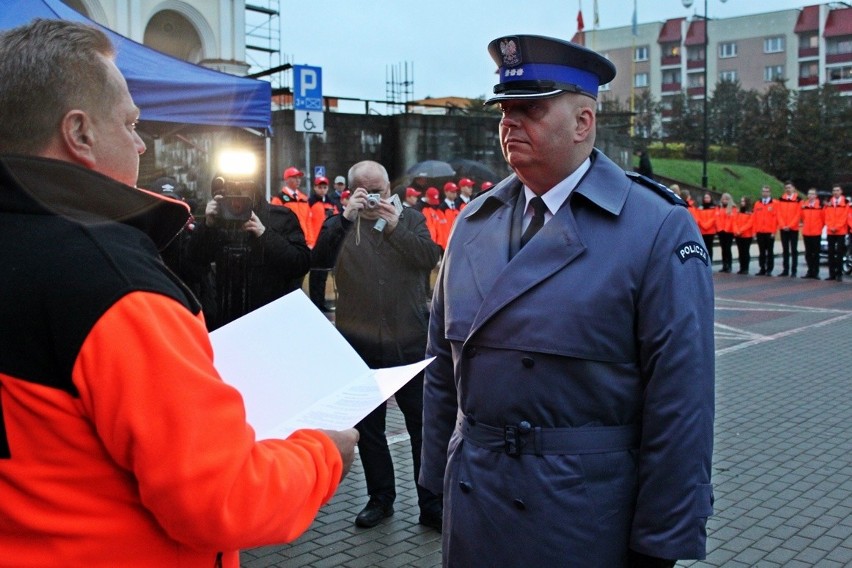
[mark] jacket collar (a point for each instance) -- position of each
(604, 184)
(45, 186)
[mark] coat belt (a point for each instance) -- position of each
(524, 438)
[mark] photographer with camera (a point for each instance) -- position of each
(383, 255)
(259, 251)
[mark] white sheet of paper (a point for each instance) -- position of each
(294, 369)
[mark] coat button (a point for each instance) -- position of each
(524, 427)
(519, 505)
(528, 362)
(465, 486)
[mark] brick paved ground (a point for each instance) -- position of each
(783, 448)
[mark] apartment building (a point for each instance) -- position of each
(805, 47)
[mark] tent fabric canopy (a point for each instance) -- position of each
(166, 89)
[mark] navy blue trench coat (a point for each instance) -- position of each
(569, 414)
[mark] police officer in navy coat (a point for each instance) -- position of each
(568, 418)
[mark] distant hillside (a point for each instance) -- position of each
(736, 179)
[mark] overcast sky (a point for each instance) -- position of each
(358, 42)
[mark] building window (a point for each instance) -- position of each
(773, 72)
(640, 80)
(671, 76)
(809, 40)
(840, 74)
(839, 46)
(695, 53)
(640, 53)
(773, 44)
(730, 76)
(670, 50)
(605, 87)
(694, 80)
(808, 70)
(728, 49)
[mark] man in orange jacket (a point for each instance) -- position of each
(789, 220)
(291, 196)
(836, 226)
(813, 221)
(120, 444)
(765, 219)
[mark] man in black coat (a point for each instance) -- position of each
(384, 255)
(259, 250)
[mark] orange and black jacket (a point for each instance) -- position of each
(297, 202)
(789, 212)
(765, 216)
(120, 445)
(813, 218)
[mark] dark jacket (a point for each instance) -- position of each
(277, 261)
(382, 308)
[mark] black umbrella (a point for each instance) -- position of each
(431, 169)
(477, 171)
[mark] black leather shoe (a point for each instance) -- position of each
(430, 519)
(373, 513)
(831, 277)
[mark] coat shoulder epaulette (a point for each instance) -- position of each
(662, 190)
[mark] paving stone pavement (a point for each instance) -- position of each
(782, 467)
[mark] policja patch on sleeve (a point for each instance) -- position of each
(692, 249)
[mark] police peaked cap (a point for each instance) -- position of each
(535, 67)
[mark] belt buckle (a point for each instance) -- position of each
(512, 440)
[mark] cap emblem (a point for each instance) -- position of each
(510, 51)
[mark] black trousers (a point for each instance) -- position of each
(708, 244)
(375, 454)
(836, 250)
(766, 252)
(316, 286)
(790, 250)
(744, 252)
(812, 254)
(726, 240)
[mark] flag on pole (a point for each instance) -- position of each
(580, 25)
(596, 18)
(635, 20)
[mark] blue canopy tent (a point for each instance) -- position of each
(167, 89)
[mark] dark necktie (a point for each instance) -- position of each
(539, 208)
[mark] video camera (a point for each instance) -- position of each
(236, 203)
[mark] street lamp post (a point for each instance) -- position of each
(705, 149)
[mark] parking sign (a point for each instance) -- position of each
(307, 82)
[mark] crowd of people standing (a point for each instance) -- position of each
(786, 217)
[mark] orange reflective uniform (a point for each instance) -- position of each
(789, 212)
(725, 219)
(765, 216)
(298, 203)
(742, 225)
(813, 218)
(837, 216)
(706, 217)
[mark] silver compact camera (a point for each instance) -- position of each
(373, 200)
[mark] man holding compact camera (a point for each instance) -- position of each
(259, 251)
(384, 255)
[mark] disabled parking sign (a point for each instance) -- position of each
(307, 98)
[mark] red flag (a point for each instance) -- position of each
(580, 25)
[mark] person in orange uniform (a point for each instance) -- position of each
(836, 226)
(120, 444)
(291, 196)
(449, 205)
(706, 217)
(321, 208)
(743, 229)
(465, 192)
(725, 214)
(789, 222)
(435, 220)
(765, 218)
(813, 221)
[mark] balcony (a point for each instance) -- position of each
(670, 87)
(669, 60)
(808, 52)
(808, 81)
(695, 92)
(838, 57)
(695, 64)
